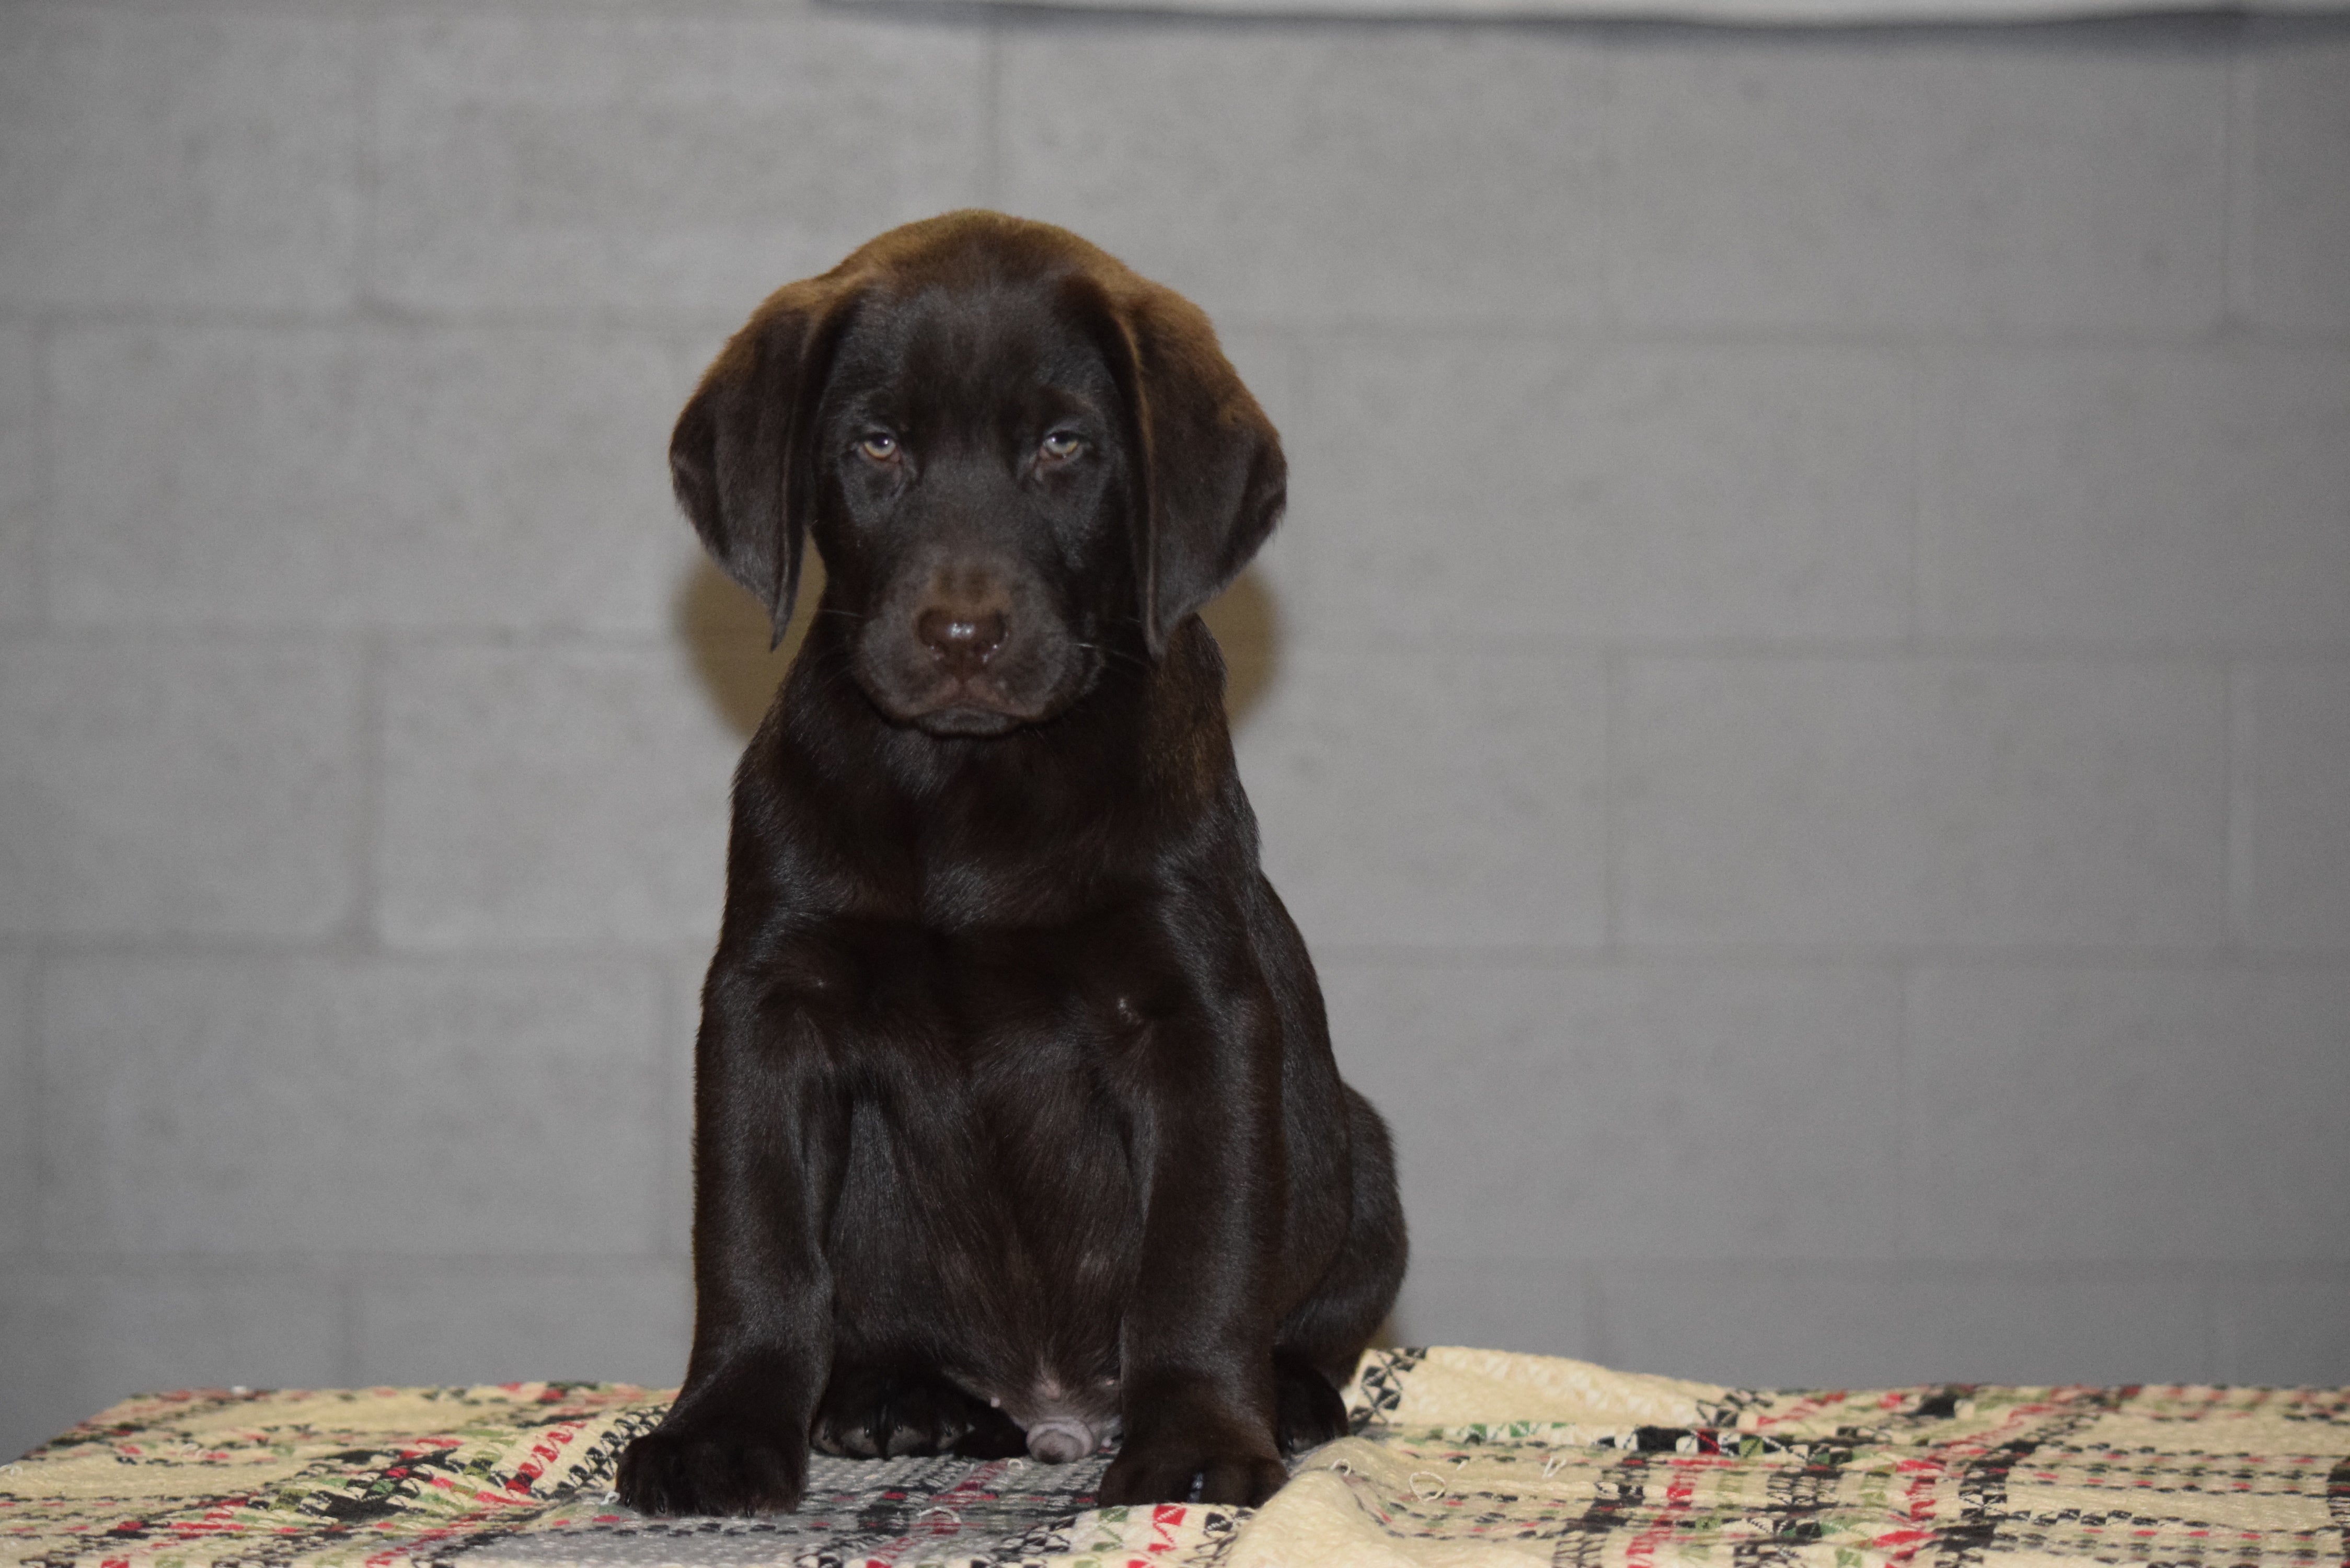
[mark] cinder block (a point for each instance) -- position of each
(2292, 734)
(1854, 1325)
(1459, 489)
(1894, 802)
(2149, 496)
(2298, 210)
(2179, 1112)
(1963, 181)
(648, 165)
(1438, 802)
(1538, 1306)
(1318, 174)
(391, 477)
(2279, 1328)
(19, 1107)
(250, 1105)
(75, 1337)
(22, 483)
(554, 795)
(1758, 1324)
(179, 160)
(156, 787)
(505, 1320)
(1632, 1111)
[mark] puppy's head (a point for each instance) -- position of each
(1015, 456)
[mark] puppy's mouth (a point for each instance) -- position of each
(972, 705)
(965, 711)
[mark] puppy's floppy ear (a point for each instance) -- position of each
(1210, 479)
(740, 457)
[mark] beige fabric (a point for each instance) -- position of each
(1461, 1459)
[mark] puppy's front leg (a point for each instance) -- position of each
(767, 1141)
(1196, 1348)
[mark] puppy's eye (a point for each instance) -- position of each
(881, 446)
(1060, 446)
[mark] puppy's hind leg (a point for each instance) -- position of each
(878, 1412)
(1308, 1410)
(1318, 1345)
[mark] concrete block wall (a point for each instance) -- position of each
(1803, 704)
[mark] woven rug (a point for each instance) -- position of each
(1466, 1458)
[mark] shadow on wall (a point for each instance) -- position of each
(727, 632)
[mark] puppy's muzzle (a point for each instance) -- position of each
(960, 645)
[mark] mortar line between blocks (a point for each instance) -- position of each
(41, 339)
(1612, 724)
(33, 1019)
(364, 924)
(2239, 190)
(366, 178)
(2239, 719)
(1914, 639)
(991, 112)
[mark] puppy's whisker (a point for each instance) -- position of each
(1111, 651)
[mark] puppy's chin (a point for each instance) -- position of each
(938, 704)
(952, 708)
(966, 722)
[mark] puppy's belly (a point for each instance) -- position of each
(997, 1251)
(1064, 1422)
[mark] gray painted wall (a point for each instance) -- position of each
(1803, 704)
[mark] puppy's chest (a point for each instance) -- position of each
(999, 1069)
(1033, 1122)
(989, 1173)
(1013, 1010)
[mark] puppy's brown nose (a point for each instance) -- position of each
(962, 641)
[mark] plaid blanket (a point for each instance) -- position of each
(1465, 1457)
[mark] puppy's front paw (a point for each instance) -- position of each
(712, 1470)
(1166, 1469)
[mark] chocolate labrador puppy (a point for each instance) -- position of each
(1017, 1127)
